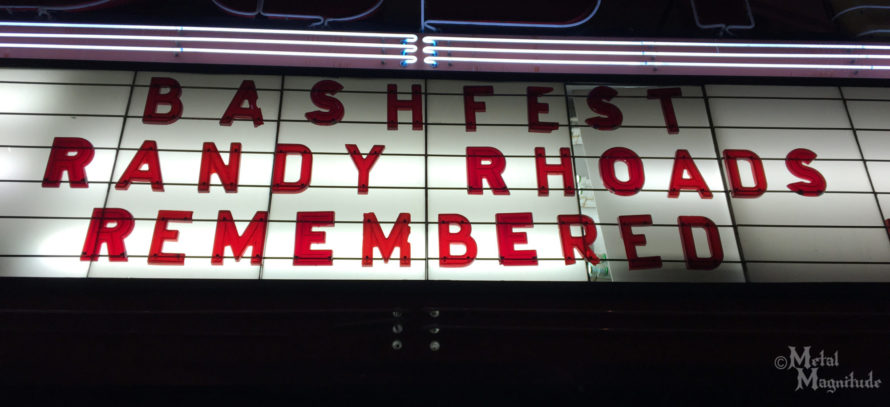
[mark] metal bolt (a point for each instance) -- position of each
(434, 330)
(397, 328)
(396, 344)
(434, 313)
(434, 346)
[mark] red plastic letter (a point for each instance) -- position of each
(156, 253)
(227, 235)
(535, 108)
(693, 262)
(631, 241)
(155, 98)
(304, 255)
(581, 243)
(246, 93)
(394, 105)
(146, 156)
(471, 106)
(319, 95)
(795, 161)
(71, 154)
(564, 168)
(278, 164)
(667, 106)
(398, 236)
(636, 176)
(596, 100)
(107, 226)
(477, 170)
(507, 239)
(212, 163)
(682, 164)
(731, 158)
(364, 164)
(462, 236)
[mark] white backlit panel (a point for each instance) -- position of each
(193, 80)
(450, 109)
(835, 234)
(333, 139)
(195, 240)
(42, 247)
(352, 84)
(65, 76)
(182, 135)
(63, 99)
(869, 114)
(347, 205)
(345, 242)
(803, 92)
(363, 100)
(784, 227)
(778, 113)
(499, 88)
(857, 92)
(641, 111)
(664, 242)
(656, 149)
(21, 130)
(509, 140)
(211, 104)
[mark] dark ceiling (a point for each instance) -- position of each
(786, 19)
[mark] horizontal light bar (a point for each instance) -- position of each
(308, 48)
(409, 48)
(432, 39)
(406, 37)
(410, 59)
(433, 60)
(436, 49)
(558, 55)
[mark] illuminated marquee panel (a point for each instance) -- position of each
(175, 175)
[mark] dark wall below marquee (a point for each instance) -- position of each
(152, 341)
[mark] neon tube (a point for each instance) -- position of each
(405, 37)
(409, 48)
(434, 49)
(408, 59)
(432, 39)
(432, 60)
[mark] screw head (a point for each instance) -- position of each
(397, 328)
(434, 346)
(434, 313)
(396, 344)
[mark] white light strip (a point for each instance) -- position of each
(91, 47)
(409, 59)
(408, 48)
(430, 39)
(434, 49)
(406, 37)
(432, 60)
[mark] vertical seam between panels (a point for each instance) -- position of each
(726, 187)
(117, 151)
(565, 91)
(272, 180)
(426, 182)
(862, 156)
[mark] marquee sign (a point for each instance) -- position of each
(176, 175)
